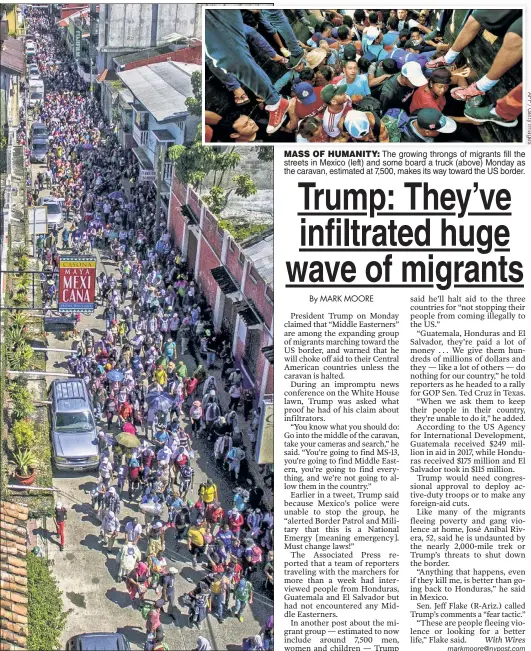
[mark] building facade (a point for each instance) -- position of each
(236, 278)
(119, 28)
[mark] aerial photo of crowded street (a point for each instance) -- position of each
(136, 367)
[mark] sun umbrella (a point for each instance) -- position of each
(127, 440)
(160, 401)
(115, 376)
(118, 196)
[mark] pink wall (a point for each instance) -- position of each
(210, 258)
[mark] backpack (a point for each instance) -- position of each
(212, 412)
(256, 555)
(395, 120)
(371, 104)
(145, 610)
(195, 413)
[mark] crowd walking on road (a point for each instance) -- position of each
(152, 407)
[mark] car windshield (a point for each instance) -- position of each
(76, 421)
(53, 208)
(35, 96)
(40, 147)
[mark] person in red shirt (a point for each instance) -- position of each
(125, 412)
(235, 521)
(432, 94)
(306, 103)
(59, 519)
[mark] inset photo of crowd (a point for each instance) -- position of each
(363, 75)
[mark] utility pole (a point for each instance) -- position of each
(159, 174)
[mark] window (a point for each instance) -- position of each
(253, 275)
(241, 258)
(231, 244)
(252, 349)
(269, 294)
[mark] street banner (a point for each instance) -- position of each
(77, 283)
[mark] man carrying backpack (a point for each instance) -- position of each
(243, 594)
(211, 411)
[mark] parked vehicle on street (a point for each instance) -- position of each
(36, 91)
(39, 131)
(54, 214)
(73, 427)
(31, 48)
(39, 150)
(98, 642)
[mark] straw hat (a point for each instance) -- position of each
(315, 57)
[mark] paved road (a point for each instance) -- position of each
(87, 575)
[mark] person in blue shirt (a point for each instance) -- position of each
(356, 83)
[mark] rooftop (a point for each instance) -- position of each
(14, 612)
(12, 56)
(259, 250)
(161, 87)
(124, 59)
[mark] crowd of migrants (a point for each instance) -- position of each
(141, 391)
(364, 75)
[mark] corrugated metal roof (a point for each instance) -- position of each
(261, 255)
(12, 56)
(161, 87)
(124, 59)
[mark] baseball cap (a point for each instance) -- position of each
(331, 90)
(372, 34)
(357, 124)
(413, 72)
(349, 53)
(305, 92)
(434, 120)
(412, 45)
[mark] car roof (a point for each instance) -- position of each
(70, 395)
(100, 642)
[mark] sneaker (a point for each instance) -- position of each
(440, 62)
(483, 114)
(285, 52)
(464, 94)
(240, 617)
(61, 548)
(276, 117)
(294, 61)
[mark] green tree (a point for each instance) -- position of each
(218, 197)
(195, 104)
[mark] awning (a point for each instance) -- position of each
(163, 135)
(223, 279)
(143, 158)
(268, 353)
(189, 214)
(107, 75)
(249, 313)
